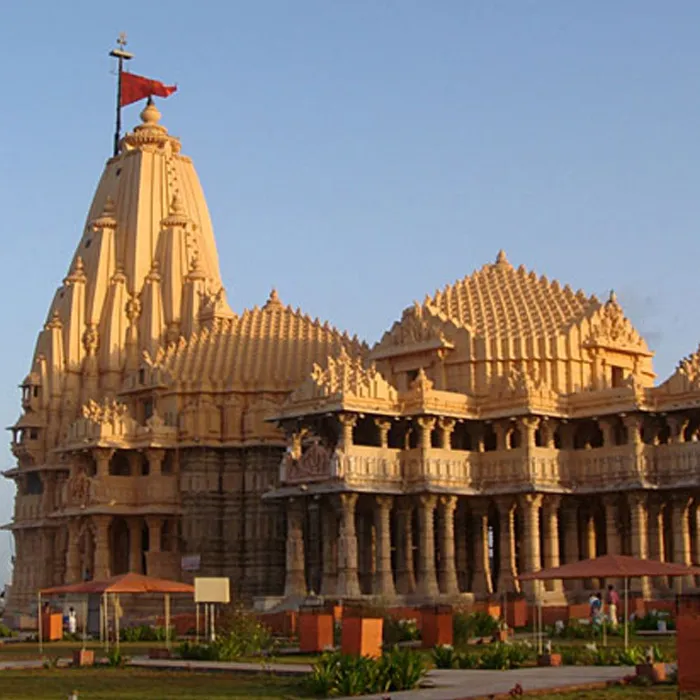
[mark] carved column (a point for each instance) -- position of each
(102, 553)
(530, 504)
(448, 572)
(639, 537)
(348, 581)
(383, 578)
(447, 426)
(314, 542)
(696, 515)
(405, 577)
(383, 426)
(155, 530)
(528, 427)
(73, 573)
(550, 512)
(657, 543)
(461, 553)
(427, 580)
(507, 565)
(135, 545)
(102, 456)
(426, 426)
(482, 582)
(155, 461)
(347, 423)
(681, 536)
(612, 524)
(329, 582)
(295, 577)
(677, 424)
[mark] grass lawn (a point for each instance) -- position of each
(109, 684)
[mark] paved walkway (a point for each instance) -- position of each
(444, 684)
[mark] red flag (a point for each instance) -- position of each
(136, 87)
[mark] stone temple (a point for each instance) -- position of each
(504, 424)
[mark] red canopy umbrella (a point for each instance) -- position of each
(612, 566)
(124, 584)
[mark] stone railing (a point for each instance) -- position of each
(117, 491)
(28, 507)
(675, 464)
(359, 464)
(501, 470)
(448, 468)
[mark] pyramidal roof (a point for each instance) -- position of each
(145, 269)
(499, 300)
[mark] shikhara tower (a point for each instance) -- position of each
(505, 423)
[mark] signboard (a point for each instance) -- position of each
(191, 562)
(211, 590)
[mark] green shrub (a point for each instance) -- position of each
(144, 633)
(395, 631)
(5, 631)
(336, 674)
(478, 624)
(116, 658)
(444, 656)
(650, 621)
(502, 657)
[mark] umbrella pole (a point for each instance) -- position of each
(196, 622)
(627, 613)
(38, 617)
(85, 616)
(116, 621)
(167, 620)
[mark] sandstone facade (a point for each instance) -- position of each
(504, 424)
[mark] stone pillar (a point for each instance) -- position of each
(383, 584)
(155, 531)
(295, 576)
(447, 426)
(102, 456)
(347, 423)
(507, 566)
(405, 576)
(348, 581)
(427, 579)
(329, 581)
(613, 544)
(570, 521)
(550, 512)
(639, 537)
(314, 542)
(696, 548)
(530, 504)
(426, 426)
(482, 583)
(135, 546)
(528, 429)
(101, 524)
(73, 573)
(155, 461)
(681, 537)
(383, 426)
(657, 544)
(677, 424)
(448, 572)
(461, 553)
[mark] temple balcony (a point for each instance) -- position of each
(436, 467)
(360, 465)
(675, 464)
(28, 507)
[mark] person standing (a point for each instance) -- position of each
(72, 621)
(613, 601)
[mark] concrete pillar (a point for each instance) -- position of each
(482, 582)
(295, 575)
(448, 571)
(550, 512)
(530, 504)
(507, 565)
(101, 524)
(135, 545)
(427, 579)
(405, 576)
(383, 584)
(637, 501)
(348, 581)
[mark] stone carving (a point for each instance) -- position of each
(611, 328)
(414, 327)
(90, 339)
(107, 412)
(79, 490)
(520, 383)
(314, 464)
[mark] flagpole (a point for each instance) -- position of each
(121, 55)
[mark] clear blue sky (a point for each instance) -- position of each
(359, 154)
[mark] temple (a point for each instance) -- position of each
(504, 424)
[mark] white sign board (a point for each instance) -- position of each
(211, 590)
